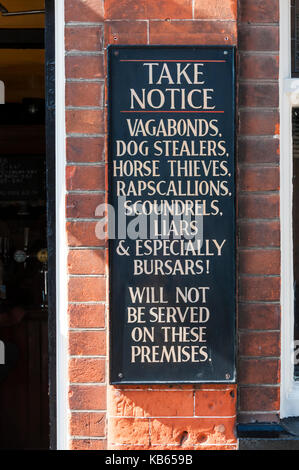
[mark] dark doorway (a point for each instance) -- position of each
(26, 171)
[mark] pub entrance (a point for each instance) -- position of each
(24, 267)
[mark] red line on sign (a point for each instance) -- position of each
(169, 60)
(169, 111)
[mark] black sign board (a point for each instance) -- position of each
(171, 214)
(22, 177)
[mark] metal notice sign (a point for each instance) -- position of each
(171, 214)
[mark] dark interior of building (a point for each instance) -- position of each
(24, 420)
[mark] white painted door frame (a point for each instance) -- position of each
(61, 242)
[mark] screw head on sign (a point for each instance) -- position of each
(227, 376)
(120, 375)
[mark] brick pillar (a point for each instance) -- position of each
(85, 175)
(259, 230)
(171, 416)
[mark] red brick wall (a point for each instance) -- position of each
(184, 417)
(171, 417)
(258, 211)
(85, 175)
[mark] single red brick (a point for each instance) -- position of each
(84, 121)
(124, 9)
(84, 10)
(87, 397)
(259, 398)
(216, 402)
(258, 122)
(84, 234)
(258, 150)
(84, 94)
(259, 288)
(129, 431)
(259, 316)
(258, 206)
(85, 177)
(151, 403)
(87, 289)
(255, 66)
(255, 11)
(79, 38)
(258, 38)
(88, 444)
(146, 9)
(193, 32)
(258, 94)
(192, 431)
(83, 205)
(259, 261)
(87, 343)
(87, 370)
(85, 67)
(87, 424)
(87, 261)
(258, 371)
(85, 149)
(168, 9)
(259, 179)
(259, 234)
(86, 315)
(125, 32)
(215, 9)
(261, 343)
